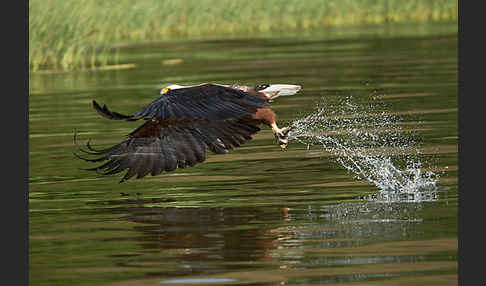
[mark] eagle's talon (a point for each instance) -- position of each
(281, 137)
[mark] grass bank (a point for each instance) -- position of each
(72, 34)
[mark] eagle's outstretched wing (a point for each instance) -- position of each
(164, 145)
(206, 101)
(181, 125)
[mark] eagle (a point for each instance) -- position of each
(183, 122)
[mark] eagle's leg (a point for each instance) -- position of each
(268, 117)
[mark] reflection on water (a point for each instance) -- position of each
(409, 197)
(214, 241)
(251, 234)
(206, 234)
(255, 216)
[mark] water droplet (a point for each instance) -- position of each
(369, 143)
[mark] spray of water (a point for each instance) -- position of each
(370, 143)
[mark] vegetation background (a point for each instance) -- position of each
(73, 34)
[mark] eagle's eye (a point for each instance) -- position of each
(261, 87)
(165, 90)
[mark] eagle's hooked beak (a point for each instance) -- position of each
(164, 91)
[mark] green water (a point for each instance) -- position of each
(255, 216)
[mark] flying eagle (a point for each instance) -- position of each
(183, 122)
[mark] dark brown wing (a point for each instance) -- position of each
(159, 146)
(207, 101)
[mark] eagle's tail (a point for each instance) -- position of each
(275, 90)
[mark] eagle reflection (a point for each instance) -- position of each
(229, 234)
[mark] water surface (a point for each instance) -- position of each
(256, 216)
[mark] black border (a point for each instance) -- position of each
(470, 192)
(15, 142)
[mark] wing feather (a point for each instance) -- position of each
(146, 166)
(203, 102)
(197, 145)
(169, 153)
(207, 101)
(105, 112)
(176, 145)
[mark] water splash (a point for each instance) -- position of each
(369, 142)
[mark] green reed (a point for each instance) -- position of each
(73, 34)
